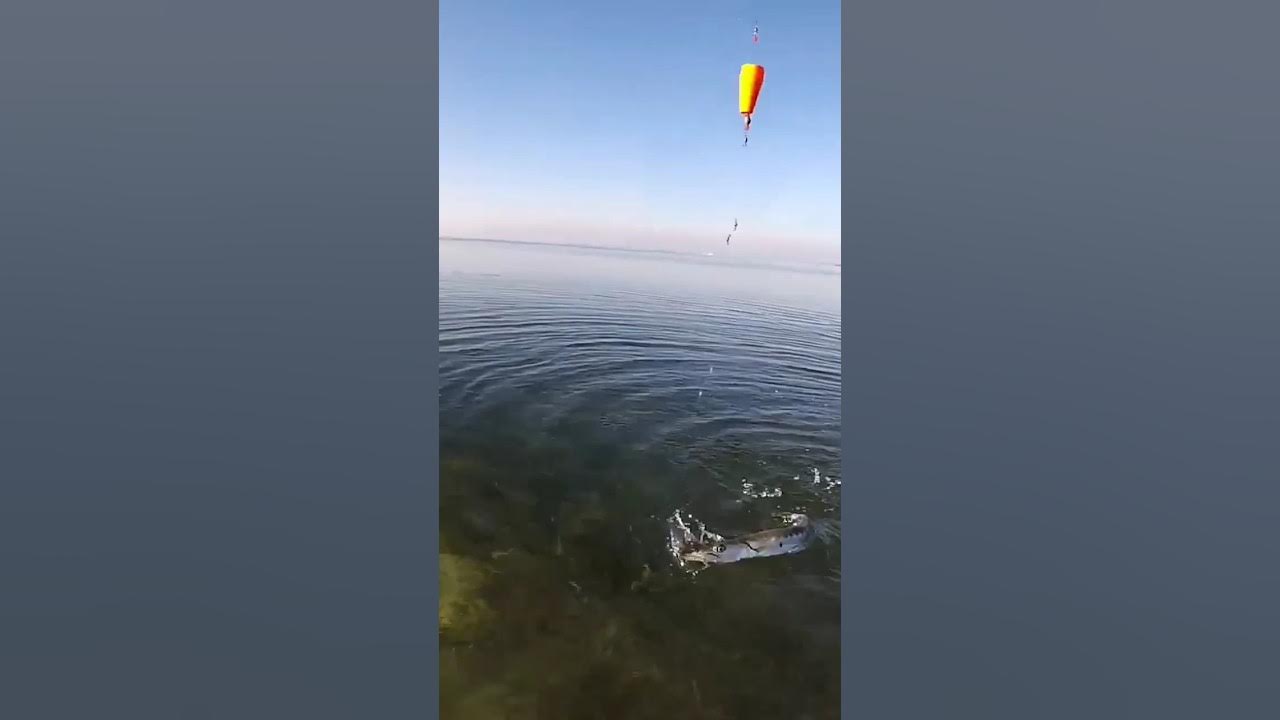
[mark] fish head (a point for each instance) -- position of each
(708, 554)
(717, 553)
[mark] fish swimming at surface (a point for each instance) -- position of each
(767, 543)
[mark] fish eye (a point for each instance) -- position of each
(720, 548)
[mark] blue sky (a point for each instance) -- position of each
(617, 124)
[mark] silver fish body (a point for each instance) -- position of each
(767, 543)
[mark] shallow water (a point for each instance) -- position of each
(586, 395)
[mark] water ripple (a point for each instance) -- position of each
(697, 374)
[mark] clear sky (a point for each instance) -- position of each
(617, 124)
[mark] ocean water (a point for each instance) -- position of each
(587, 395)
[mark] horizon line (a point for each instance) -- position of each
(615, 248)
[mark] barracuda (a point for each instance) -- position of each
(767, 543)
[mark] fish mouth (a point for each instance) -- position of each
(703, 557)
(697, 554)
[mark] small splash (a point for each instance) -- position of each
(751, 490)
(824, 481)
(680, 537)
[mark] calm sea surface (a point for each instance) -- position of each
(586, 395)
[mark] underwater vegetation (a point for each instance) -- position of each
(580, 614)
